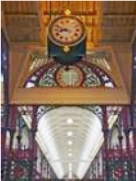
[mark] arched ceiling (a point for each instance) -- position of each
(69, 135)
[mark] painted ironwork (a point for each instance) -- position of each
(116, 159)
(83, 74)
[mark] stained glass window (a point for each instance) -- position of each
(43, 77)
(80, 75)
(91, 79)
(47, 80)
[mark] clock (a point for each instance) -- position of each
(66, 31)
(71, 76)
(66, 40)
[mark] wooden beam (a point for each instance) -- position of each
(23, 70)
(133, 36)
(17, 60)
(3, 25)
(18, 46)
(114, 27)
(42, 32)
(70, 96)
(20, 15)
(119, 15)
(22, 28)
(77, 13)
(26, 44)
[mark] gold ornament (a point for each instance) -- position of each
(67, 12)
(66, 49)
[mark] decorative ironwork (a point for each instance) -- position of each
(115, 162)
(97, 110)
(19, 161)
(47, 80)
(105, 80)
(100, 58)
(37, 59)
(112, 162)
(44, 109)
(43, 76)
(91, 79)
(85, 73)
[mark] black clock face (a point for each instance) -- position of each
(67, 30)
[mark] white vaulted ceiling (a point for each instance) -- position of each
(69, 135)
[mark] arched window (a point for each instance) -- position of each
(82, 74)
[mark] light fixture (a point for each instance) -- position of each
(70, 121)
(69, 133)
(70, 154)
(70, 142)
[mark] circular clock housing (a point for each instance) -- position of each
(73, 76)
(66, 31)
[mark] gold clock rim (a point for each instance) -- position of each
(84, 34)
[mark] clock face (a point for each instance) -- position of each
(66, 30)
(73, 76)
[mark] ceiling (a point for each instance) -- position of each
(26, 22)
(70, 136)
(80, 128)
(107, 21)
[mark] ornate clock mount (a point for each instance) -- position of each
(66, 39)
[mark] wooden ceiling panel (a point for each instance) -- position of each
(22, 21)
(119, 21)
(76, 7)
(117, 35)
(19, 7)
(105, 20)
(23, 35)
(119, 7)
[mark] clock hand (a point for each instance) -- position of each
(65, 30)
